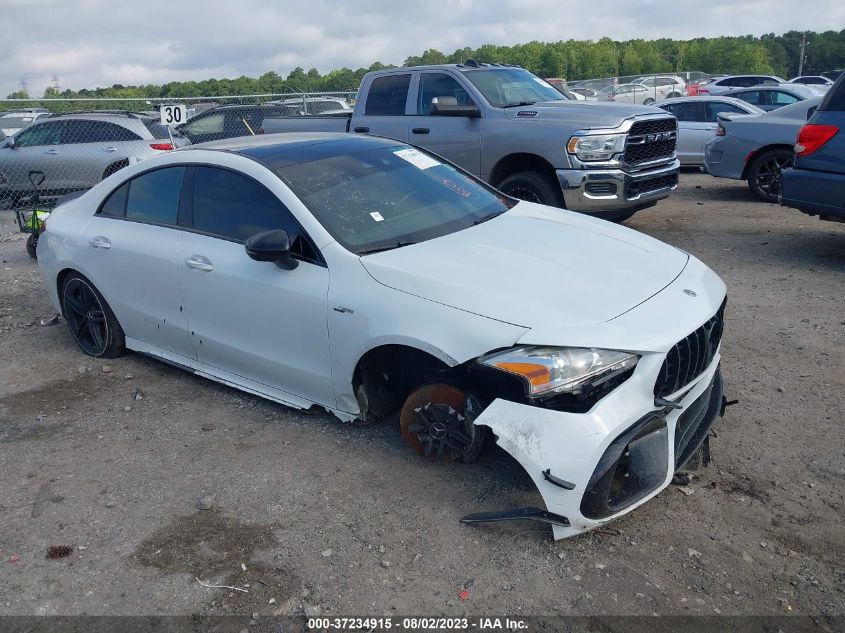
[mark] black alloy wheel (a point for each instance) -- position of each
(90, 320)
(764, 173)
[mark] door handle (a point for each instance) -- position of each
(52, 152)
(420, 130)
(199, 263)
(100, 242)
(109, 149)
(362, 130)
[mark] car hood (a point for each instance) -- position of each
(583, 115)
(534, 266)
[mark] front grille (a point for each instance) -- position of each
(647, 140)
(690, 357)
(652, 184)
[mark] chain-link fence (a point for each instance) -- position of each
(52, 147)
(641, 89)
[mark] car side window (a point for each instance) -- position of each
(687, 111)
(713, 109)
(233, 206)
(388, 95)
(96, 132)
(154, 196)
(211, 124)
(780, 98)
(115, 205)
(754, 97)
(40, 134)
(834, 100)
(439, 85)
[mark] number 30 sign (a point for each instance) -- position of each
(173, 114)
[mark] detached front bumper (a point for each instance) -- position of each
(603, 191)
(592, 468)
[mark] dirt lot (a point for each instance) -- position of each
(347, 520)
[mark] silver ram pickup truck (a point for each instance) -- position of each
(515, 131)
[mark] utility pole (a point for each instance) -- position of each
(801, 58)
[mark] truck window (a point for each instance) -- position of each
(439, 85)
(388, 95)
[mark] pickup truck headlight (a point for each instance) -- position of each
(596, 146)
(553, 370)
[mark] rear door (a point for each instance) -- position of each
(455, 138)
(386, 108)
(131, 247)
(91, 149)
(692, 131)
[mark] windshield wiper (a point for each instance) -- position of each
(520, 104)
(488, 217)
(384, 247)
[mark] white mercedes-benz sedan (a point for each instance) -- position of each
(366, 276)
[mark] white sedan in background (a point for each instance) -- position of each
(365, 276)
(698, 120)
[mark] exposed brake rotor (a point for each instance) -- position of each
(437, 421)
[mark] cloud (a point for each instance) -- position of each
(96, 42)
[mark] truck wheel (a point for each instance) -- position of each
(534, 187)
(764, 173)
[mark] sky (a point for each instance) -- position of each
(90, 43)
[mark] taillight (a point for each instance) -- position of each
(720, 131)
(812, 136)
(162, 146)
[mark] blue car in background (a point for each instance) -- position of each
(815, 184)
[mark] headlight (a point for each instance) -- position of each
(596, 146)
(552, 370)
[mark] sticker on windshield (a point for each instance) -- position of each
(375, 215)
(417, 158)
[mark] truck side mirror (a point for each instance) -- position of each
(448, 106)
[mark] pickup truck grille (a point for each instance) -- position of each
(691, 356)
(651, 140)
(640, 187)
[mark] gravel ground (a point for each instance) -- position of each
(116, 460)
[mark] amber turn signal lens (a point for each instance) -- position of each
(537, 374)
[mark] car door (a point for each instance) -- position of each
(455, 138)
(386, 107)
(248, 318)
(130, 250)
(692, 133)
(91, 148)
(36, 149)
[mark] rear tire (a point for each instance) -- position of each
(533, 186)
(90, 319)
(31, 246)
(648, 101)
(764, 173)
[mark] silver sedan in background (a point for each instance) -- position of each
(698, 120)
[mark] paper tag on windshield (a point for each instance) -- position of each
(416, 158)
(375, 215)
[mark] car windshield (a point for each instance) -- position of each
(506, 87)
(390, 197)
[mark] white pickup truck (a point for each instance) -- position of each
(518, 133)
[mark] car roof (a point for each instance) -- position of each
(289, 148)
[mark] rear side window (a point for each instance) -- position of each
(687, 111)
(233, 206)
(96, 132)
(780, 98)
(713, 109)
(115, 204)
(834, 100)
(754, 97)
(211, 124)
(388, 95)
(154, 196)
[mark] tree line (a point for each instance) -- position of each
(572, 59)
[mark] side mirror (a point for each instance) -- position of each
(271, 246)
(448, 106)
